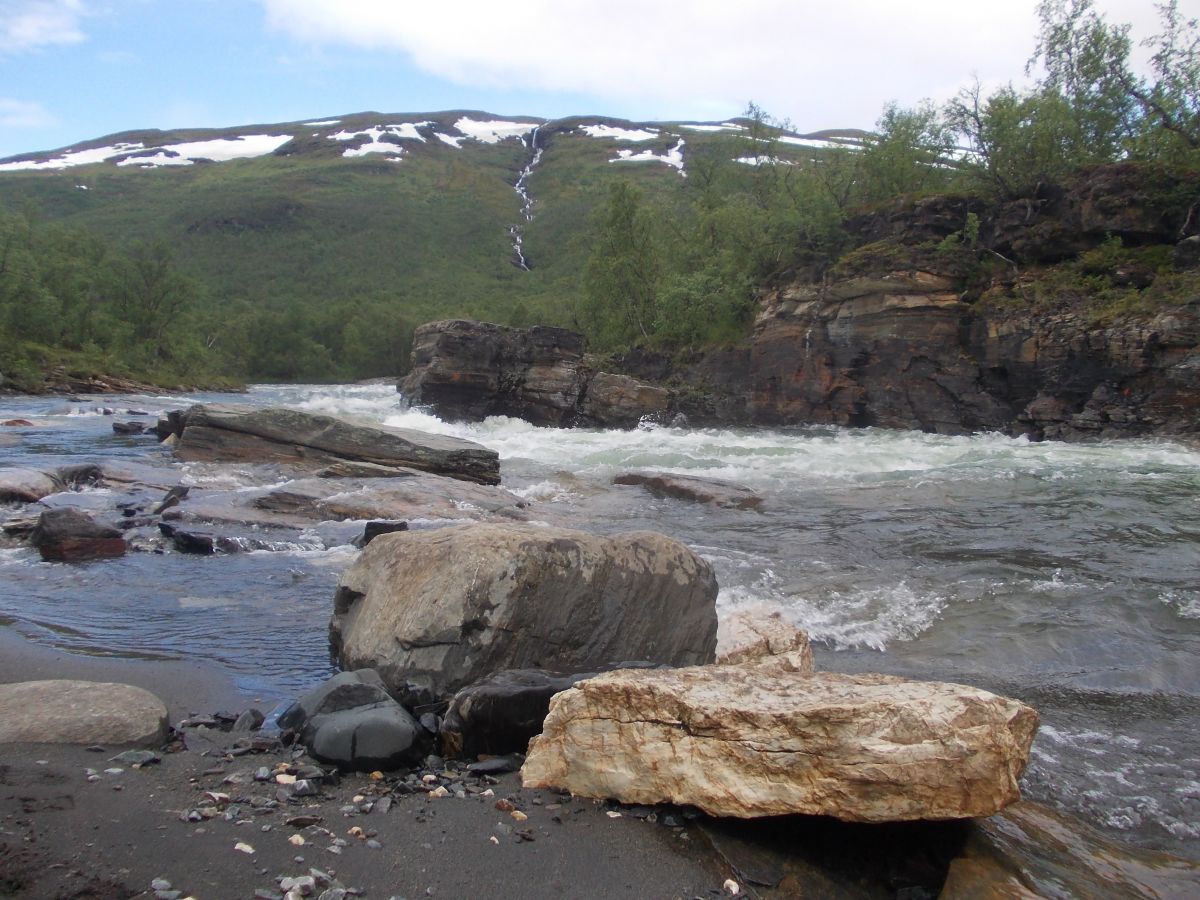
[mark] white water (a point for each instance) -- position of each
(1063, 574)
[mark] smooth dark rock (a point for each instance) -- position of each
(380, 736)
(68, 535)
(501, 713)
(497, 765)
(128, 427)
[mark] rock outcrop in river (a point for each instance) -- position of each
(224, 432)
(471, 370)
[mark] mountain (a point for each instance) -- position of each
(459, 213)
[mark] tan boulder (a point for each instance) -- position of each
(80, 712)
(758, 740)
(746, 635)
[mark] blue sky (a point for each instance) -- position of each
(71, 70)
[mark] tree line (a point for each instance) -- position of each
(678, 272)
(69, 297)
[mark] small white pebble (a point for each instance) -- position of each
(243, 848)
(732, 887)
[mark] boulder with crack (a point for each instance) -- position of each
(764, 738)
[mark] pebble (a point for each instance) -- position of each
(243, 848)
(296, 840)
(113, 771)
(374, 844)
(732, 887)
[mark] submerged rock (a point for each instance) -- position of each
(698, 490)
(309, 440)
(434, 611)
(1032, 851)
(68, 535)
(755, 739)
(80, 712)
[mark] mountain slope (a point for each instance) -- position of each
(458, 213)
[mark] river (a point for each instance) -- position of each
(1067, 575)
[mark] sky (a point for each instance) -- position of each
(74, 70)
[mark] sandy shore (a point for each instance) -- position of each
(63, 835)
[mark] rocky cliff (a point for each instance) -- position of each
(1070, 314)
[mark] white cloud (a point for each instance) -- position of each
(23, 114)
(32, 24)
(820, 65)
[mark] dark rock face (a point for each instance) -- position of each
(472, 370)
(499, 714)
(68, 535)
(306, 440)
(434, 611)
(906, 352)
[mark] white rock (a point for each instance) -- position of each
(756, 740)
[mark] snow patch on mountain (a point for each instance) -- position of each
(322, 123)
(673, 157)
(491, 131)
(183, 154)
(819, 143)
(619, 134)
(725, 126)
(375, 138)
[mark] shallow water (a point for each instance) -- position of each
(1062, 574)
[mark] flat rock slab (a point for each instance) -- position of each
(757, 740)
(698, 490)
(279, 434)
(20, 485)
(80, 712)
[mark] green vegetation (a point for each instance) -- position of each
(305, 265)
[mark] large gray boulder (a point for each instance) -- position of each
(310, 440)
(433, 611)
(80, 712)
(765, 737)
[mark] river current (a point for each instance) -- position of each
(1067, 575)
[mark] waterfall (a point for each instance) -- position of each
(516, 232)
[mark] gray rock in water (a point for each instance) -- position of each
(308, 440)
(20, 485)
(69, 535)
(698, 490)
(434, 611)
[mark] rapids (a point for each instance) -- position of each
(1062, 574)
